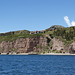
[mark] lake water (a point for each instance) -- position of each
(37, 65)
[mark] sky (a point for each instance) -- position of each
(35, 14)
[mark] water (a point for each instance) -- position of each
(37, 65)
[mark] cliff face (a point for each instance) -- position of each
(40, 41)
(22, 45)
(71, 47)
(57, 44)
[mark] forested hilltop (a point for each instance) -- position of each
(56, 39)
(67, 35)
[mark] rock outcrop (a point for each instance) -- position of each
(25, 45)
(22, 45)
(71, 48)
(57, 44)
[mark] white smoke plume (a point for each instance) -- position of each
(68, 21)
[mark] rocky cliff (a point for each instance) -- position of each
(25, 45)
(53, 39)
(22, 45)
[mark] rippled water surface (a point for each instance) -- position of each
(37, 65)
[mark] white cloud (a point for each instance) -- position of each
(68, 21)
(73, 23)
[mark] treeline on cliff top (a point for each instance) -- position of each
(57, 31)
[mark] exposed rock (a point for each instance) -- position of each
(22, 45)
(71, 48)
(57, 44)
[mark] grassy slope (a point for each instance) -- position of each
(11, 36)
(66, 35)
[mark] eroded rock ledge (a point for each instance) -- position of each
(25, 45)
(22, 45)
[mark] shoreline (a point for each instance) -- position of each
(37, 54)
(57, 54)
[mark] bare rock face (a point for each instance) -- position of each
(71, 47)
(57, 44)
(22, 45)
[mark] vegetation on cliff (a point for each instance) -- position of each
(11, 36)
(66, 35)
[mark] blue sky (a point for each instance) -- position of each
(34, 14)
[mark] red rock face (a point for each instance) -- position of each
(57, 44)
(25, 45)
(22, 45)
